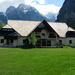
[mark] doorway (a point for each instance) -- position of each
(7, 42)
(43, 42)
(48, 42)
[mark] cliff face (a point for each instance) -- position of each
(67, 12)
(3, 18)
(24, 12)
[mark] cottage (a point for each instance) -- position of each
(19, 33)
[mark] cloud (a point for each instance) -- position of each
(42, 7)
(41, 1)
(2, 1)
(4, 4)
(29, 2)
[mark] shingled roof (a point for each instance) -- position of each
(60, 28)
(7, 26)
(71, 29)
(24, 28)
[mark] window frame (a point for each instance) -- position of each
(70, 41)
(2, 40)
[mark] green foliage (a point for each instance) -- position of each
(33, 38)
(38, 61)
(1, 24)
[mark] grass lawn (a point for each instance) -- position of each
(38, 61)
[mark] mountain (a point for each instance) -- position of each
(7, 3)
(3, 18)
(52, 17)
(67, 12)
(24, 12)
(12, 13)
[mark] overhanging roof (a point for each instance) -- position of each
(24, 28)
(7, 26)
(59, 28)
(71, 29)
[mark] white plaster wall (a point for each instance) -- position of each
(15, 43)
(53, 42)
(68, 39)
(65, 41)
(20, 41)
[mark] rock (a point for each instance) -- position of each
(67, 12)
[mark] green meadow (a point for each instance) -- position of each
(37, 61)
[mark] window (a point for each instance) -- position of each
(70, 41)
(41, 26)
(43, 34)
(11, 41)
(24, 41)
(2, 40)
(38, 36)
(60, 42)
(49, 43)
(52, 35)
(70, 34)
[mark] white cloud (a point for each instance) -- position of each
(41, 1)
(28, 2)
(2, 1)
(42, 7)
(4, 4)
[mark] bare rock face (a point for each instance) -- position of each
(67, 12)
(24, 12)
(3, 18)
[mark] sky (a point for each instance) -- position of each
(43, 6)
(55, 2)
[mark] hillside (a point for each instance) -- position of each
(67, 12)
(3, 18)
(24, 12)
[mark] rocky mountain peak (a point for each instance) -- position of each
(3, 18)
(67, 12)
(24, 12)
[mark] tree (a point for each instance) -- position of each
(1, 24)
(33, 39)
(3, 18)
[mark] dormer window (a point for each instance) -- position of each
(41, 26)
(52, 35)
(43, 34)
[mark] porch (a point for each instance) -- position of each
(46, 43)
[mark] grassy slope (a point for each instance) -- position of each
(16, 61)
